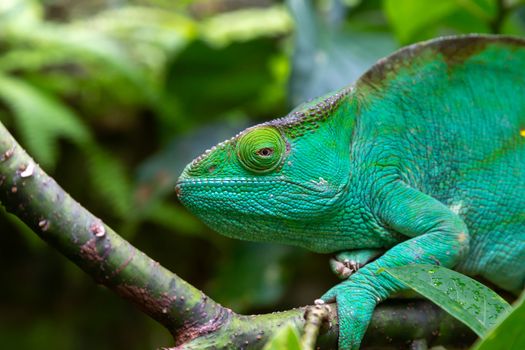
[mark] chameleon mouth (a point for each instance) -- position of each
(194, 186)
(256, 200)
(222, 184)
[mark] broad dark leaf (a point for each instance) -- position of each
(508, 334)
(467, 300)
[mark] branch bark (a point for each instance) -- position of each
(196, 321)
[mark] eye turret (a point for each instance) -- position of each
(261, 150)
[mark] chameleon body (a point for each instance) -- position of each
(423, 157)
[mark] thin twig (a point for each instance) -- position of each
(314, 316)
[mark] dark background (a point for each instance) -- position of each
(114, 97)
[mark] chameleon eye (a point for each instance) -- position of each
(261, 150)
(265, 152)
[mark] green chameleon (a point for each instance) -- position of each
(421, 161)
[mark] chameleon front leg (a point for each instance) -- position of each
(439, 236)
(346, 263)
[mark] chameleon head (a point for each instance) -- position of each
(271, 178)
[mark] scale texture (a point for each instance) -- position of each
(422, 158)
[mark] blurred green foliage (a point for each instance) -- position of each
(286, 338)
(113, 98)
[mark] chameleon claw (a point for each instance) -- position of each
(344, 269)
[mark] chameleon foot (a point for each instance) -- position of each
(346, 264)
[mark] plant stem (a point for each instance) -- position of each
(28, 192)
(314, 316)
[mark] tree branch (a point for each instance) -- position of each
(195, 320)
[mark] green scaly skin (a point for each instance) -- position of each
(423, 157)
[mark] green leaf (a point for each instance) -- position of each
(20, 13)
(508, 334)
(414, 20)
(88, 47)
(126, 48)
(109, 180)
(464, 298)
(149, 32)
(286, 338)
(41, 119)
(90, 44)
(408, 17)
(245, 25)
